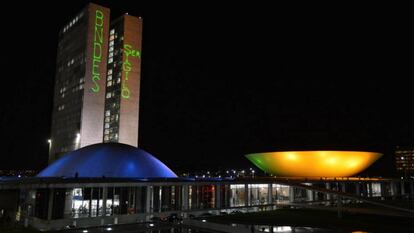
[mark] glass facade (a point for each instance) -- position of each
(113, 83)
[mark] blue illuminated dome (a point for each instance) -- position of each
(108, 160)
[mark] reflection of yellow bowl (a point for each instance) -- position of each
(314, 163)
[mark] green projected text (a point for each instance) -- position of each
(97, 49)
(127, 67)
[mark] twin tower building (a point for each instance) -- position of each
(96, 95)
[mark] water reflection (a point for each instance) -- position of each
(134, 229)
(291, 229)
(186, 229)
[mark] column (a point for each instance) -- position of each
(269, 194)
(104, 199)
(383, 193)
(369, 189)
(226, 196)
(50, 204)
(148, 200)
(138, 198)
(246, 191)
(160, 194)
(291, 194)
(364, 189)
(394, 191)
(68, 204)
(357, 189)
(328, 186)
(218, 196)
(184, 197)
(309, 194)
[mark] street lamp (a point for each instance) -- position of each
(77, 140)
(49, 141)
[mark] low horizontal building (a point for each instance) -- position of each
(106, 184)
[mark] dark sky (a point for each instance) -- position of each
(222, 81)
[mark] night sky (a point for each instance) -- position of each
(219, 82)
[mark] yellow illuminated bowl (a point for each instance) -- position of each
(314, 163)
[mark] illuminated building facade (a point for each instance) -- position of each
(123, 81)
(79, 96)
(96, 97)
(404, 160)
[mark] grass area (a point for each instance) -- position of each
(321, 219)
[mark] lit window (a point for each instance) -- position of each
(118, 80)
(108, 95)
(111, 48)
(111, 37)
(106, 125)
(111, 54)
(109, 83)
(111, 43)
(107, 113)
(109, 71)
(81, 87)
(109, 77)
(110, 60)
(112, 32)
(402, 158)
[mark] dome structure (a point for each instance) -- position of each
(112, 160)
(313, 163)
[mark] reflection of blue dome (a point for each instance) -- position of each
(109, 160)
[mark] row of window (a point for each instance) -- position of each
(111, 137)
(77, 60)
(72, 22)
(112, 94)
(112, 118)
(74, 89)
(113, 130)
